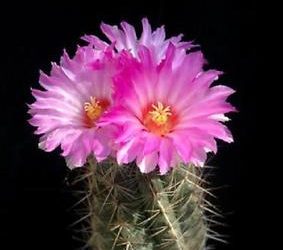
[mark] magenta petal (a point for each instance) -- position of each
(151, 143)
(127, 132)
(130, 33)
(52, 140)
(119, 115)
(147, 163)
(194, 63)
(78, 153)
(199, 157)
(95, 41)
(114, 35)
(216, 130)
(155, 42)
(182, 145)
(129, 151)
(146, 34)
(165, 155)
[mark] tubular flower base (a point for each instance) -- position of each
(131, 210)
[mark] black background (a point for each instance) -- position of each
(33, 193)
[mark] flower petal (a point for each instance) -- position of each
(147, 163)
(165, 156)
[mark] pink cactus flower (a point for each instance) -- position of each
(142, 99)
(169, 112)
(126, 39)
(76, 95)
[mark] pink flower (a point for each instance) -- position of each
(148, 102)
(126, 39)
(77, 94)
(169, 112)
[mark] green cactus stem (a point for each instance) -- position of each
(126, 209)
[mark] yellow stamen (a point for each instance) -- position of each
(93, 108)
(160, 114)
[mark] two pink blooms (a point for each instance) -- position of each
(146, 100)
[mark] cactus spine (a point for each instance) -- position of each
(133, 211)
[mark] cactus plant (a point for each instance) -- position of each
(144, 108)
(126, 209)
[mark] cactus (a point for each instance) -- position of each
(148, 101)
(126, 209)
